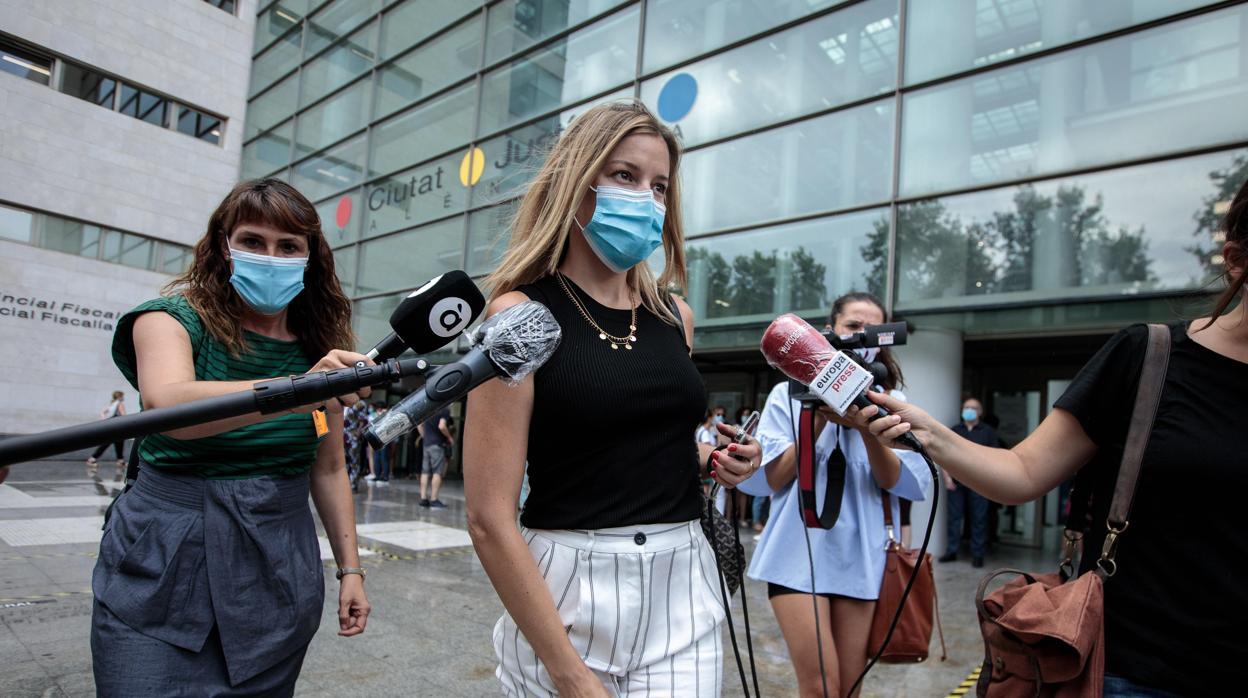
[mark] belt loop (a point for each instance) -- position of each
(592, 538)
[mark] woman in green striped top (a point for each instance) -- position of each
(209, 578)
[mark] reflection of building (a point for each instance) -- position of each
(121, 130)
(1002, 169)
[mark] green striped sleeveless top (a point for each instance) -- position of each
(284, 445)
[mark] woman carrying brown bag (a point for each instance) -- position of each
(1173, 609)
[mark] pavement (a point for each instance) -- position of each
(433, 606)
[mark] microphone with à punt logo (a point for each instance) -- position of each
(510, 345)
(431, 316)
(802, 353)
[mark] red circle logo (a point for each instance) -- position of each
(343, 215)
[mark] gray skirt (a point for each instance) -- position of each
(206, 587)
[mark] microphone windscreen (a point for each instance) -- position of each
(795, 348)
(519, 339)
(438, 312)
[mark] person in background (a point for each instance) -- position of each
(116, 408)
(381, 456)
(436, 440)
(1173, 609)
(209, 579)
(355, 422)
(848, 559)
(706, 433)
(961, 497)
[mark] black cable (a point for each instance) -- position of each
(810, 555)
(723, 591)
(905, 594)
(745, 610)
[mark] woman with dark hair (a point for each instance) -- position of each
(848, 559)
(1173, 608)
(209, 579)
(607, 582)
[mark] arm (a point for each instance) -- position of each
(494, 450)
(446, 431)
(166, 374)
(1047, 457)
(331, 494)
(121, 408)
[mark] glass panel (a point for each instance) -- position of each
(87, 84)
(488, 235)
(416, 20)
(518, 24)
(949, 36)
(1120, 232)
(73, 237)
(344, 269)
(338, 66)
(1104, 316)
(510, 160)
(340, 218)
(334, 21)
(277, 61)
(200, 125)
(441, 62)
(423, 131)
(836, 161)
(25, 64)
(127, 249)
(16, 224)
(679, 29)
(333, 170)
(412, 197)
(277, 20)
(371, 318)
(143, 105)
(1173, 88)
(333, 119)
(839, 58)
(591, 60)
(799, 267)
(272, 107)
(268, 152)
(398, 261)
(174, 259)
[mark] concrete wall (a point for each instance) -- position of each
(68, 156)
(53, 372)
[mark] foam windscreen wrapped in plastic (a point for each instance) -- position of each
(519, 340)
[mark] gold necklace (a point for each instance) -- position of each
(602, 334)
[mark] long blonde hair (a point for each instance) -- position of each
(542, 225)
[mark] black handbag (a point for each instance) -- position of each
(724, 540)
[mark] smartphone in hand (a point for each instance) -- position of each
(748, 428)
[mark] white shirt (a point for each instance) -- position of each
(849, 558)
(707, 435)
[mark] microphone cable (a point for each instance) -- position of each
(905, 594)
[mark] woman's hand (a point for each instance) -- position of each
(904, 417)
(735, 464)
(338, 358)
(353, 608)
(584, 684)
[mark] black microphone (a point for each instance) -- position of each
(510, 345)
(431, 316)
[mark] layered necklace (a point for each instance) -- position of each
(602, 334)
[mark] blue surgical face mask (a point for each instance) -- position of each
(626, 227)
(969, 414)
(268, 284)
(719, 419)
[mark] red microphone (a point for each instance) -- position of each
(800, 352)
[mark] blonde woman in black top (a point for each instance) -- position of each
(610, 587)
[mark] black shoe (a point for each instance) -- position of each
(977, 562)
(947, 557)
(424, 503)
(437, 504)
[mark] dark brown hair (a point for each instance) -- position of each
(1235, 225)
(895, 378)
(320, 316)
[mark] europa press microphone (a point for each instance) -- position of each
(510, 345)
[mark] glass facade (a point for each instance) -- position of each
(989, 165)
(83, 239)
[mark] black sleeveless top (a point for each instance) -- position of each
(611, 440)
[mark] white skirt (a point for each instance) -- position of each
(641, 604)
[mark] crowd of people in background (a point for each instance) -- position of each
(423, 453)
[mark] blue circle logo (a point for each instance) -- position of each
(677, 97)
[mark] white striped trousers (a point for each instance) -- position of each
(640, 603)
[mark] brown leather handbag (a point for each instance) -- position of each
(913, 636)
(1044, 634)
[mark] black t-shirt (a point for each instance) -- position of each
(433, 436)
(982, 434)
(1175, 611)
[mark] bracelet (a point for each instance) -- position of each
(344, 571)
